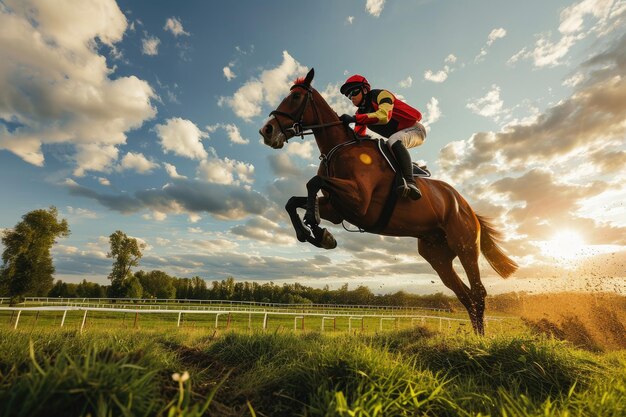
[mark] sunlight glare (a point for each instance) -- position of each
(566, 244)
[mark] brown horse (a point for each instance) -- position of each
(356, 184)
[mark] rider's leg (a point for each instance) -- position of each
(413, 136)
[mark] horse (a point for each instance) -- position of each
(356, 183)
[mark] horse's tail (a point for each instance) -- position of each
(489, 239)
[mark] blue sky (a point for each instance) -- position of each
(144, 117)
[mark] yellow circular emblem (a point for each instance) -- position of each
(365, 158)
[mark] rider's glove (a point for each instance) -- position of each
(346, 119)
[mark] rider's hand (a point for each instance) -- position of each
(346, 119)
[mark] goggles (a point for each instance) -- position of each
(353, 92)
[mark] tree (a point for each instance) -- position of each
(90, 290)
(199, 289)
(27, 268)
(126, 251)
(156, 284)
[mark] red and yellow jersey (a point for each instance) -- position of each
(384, 114)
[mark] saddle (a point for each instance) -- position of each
(418, 171)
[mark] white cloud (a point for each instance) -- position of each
(94, 157)
(150, 45)
(160, 241)
(572, 17)
(604, 15)
(489, 105)
(54, 83)
(171, 171)
(549, 54)
(574, 80)
(159, 216)
(450, 59)
(194, 217)
(375, 7)
(406, 83)
(104, 181)
(137, 162)
(441, 75)
(437, 77)
(521, 54)
(173, 24)
(337, 101)
(494, 35)
(229, 74)
(301, 149)
(182, 137)
(81, 212)
(231, 130)
(269, 88)
(434, 112)
(223, 171)
(349, 20)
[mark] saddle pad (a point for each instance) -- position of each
(420, 171)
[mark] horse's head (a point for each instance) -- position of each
(294, 112)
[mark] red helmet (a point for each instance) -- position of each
(354, 81)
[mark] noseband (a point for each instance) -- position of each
(297, 128)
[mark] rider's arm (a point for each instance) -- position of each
(382, 115)
(360, 130)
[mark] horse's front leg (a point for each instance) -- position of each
(322, 237)
(294, 203)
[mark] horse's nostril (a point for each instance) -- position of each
(268, 129)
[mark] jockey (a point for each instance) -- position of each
(384, 114)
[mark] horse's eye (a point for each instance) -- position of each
(296, 96)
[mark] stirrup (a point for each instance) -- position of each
(408, 190)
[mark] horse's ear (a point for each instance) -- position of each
(309, 77)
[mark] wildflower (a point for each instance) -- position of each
(180, 378)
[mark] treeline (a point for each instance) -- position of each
(158, 284)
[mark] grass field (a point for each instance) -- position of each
(113, 368)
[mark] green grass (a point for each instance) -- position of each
(119, 372)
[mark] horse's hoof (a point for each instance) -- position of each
(328, 241)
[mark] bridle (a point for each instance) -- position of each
(297, 128)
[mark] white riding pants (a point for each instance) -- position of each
(410, 137)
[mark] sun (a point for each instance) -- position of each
(566, 244)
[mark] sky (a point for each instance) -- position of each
(143, 116)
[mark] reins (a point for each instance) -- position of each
(297, 128)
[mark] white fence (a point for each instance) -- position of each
(250, 312)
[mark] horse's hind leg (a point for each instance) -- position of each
(463, 237)
(440, 257)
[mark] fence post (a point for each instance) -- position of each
(265, 322)
(180, 313)
(83, 323)
(63, 319)
(17, 319)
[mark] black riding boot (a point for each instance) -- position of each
(408, 188)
